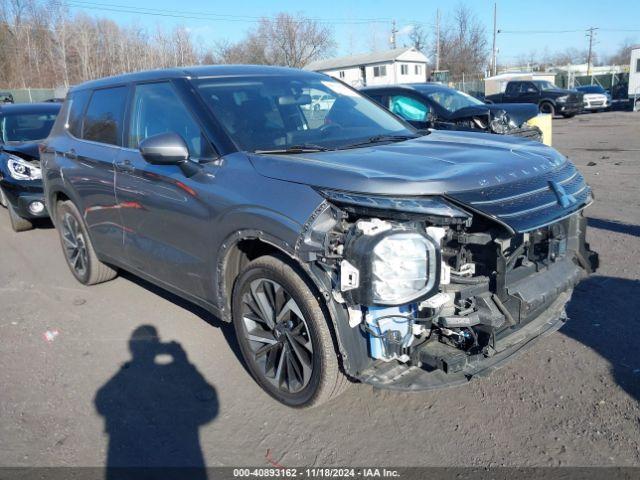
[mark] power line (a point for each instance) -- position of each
(212, 16)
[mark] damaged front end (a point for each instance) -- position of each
(430, 291)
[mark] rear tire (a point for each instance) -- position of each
(18, 223)
(284, 335)
(77, 248)
(546, 107)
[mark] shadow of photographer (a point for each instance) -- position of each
(153, 408)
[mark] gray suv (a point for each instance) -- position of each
(343, 244)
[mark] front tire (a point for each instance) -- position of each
(284, 336)
(18, 223)
(3, 199)
(78, 250)
(546, 107)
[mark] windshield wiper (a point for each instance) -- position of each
(306, 148)
(381, 138)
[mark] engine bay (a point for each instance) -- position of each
(438, 291)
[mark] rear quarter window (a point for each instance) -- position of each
(104, 117)
(77, 103)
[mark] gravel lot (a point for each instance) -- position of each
(570, 400)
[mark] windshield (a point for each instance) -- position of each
(591, 89)
(453, 100)
(284, 111)
(25, 127)
(545, 85)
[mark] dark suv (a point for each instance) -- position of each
(341, 242)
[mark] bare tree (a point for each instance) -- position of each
(463, 44)
(44, 45)
(418, 38)
(288, 40)
(623, 54)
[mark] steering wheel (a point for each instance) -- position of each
(326, 129)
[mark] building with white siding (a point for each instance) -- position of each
(402, 65)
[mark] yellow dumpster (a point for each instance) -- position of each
(543, 122)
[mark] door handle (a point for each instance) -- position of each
(71, 154)
(125, 166)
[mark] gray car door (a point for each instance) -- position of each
(166, 219)
(89, 166)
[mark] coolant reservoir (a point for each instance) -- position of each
(390, 330)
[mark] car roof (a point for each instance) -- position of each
(417, 87)
(47, 107)
(201, 71)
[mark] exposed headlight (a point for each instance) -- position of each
(400, 268)
(20, 169)
(562, 99)
(500, 122)
(395, 263)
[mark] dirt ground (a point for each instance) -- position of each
(572, 399)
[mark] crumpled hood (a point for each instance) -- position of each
(27, 150)
(438, 163)
(518, 112)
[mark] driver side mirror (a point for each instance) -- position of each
(168, 149)
(164, 149)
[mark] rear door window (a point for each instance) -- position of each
(105, 116)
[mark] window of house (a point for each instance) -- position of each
(341, 74)
(158, 109)
(418, 69)
(105, 115)
(380, 71)
(404, 69)
(638, 65)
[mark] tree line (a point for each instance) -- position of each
(43, 45)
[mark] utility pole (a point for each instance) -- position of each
(437, 40)
(494, 54)
(591, 32)
(394, 30)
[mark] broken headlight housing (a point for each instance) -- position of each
(394, 263)
(20, 169)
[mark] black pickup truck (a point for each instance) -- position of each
(549, 98)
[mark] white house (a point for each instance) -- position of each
(402, 65)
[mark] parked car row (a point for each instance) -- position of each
(22, 128)
(431, 105)
(342, 243)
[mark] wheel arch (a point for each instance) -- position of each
(246, 245)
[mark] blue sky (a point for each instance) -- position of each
(212, 21)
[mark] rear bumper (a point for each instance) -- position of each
(21, 194)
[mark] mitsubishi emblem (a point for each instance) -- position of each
(564, 199)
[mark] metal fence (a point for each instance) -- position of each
(32, 95)
(616, 83)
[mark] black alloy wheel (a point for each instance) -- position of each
(278, 335)
(284, 335)
(75, 246)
